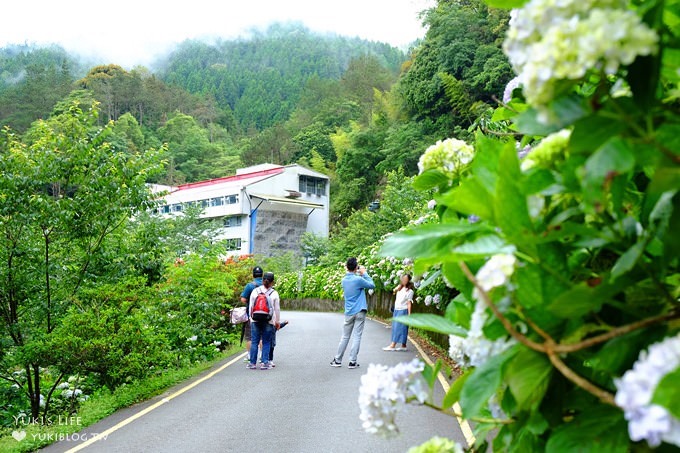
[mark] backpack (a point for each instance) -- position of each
(239, 315)
(262, 310)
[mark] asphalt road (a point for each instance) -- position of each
(303, 405)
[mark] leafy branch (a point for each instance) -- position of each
(553, 349)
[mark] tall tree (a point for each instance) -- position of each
(64, 190)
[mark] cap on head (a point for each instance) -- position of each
(269, 276)
(257, 271)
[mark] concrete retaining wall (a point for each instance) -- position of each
(278, 232)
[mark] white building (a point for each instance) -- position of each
(264, 209)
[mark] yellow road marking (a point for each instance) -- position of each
(156, 405)
(464, 425)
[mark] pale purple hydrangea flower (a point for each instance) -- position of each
(509, 88)
(636, 388)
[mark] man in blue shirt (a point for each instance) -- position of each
(245, 298)
(354, 284)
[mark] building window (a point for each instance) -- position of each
(177, 207)
(231, 199)
(204, 203)
(165, 209)
(233, 244)
(312, 186)
(233, 221)
(219, 201)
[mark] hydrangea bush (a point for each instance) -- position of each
(562, 236)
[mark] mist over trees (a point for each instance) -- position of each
(347, 107)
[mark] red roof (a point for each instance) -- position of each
(210, 182)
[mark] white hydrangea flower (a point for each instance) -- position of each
(476, 349)
(431, 204)
(636, 388)
(385, 390)
(63, 385)
(437, 299)
(549, 150)
(371, 292)
(553, 40)
(448, 156)
(428, 300)
(194, 338)
(495, 272)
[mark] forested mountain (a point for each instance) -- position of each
(32, 80)
(261, 77)
(350, 108)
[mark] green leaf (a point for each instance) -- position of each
(429, 241)
(528, 376)
(482, 383)
(485, 164)
(505, 4)
(627, 261)
(598, 429)
(480, 247)
(592, 132)
(453, 395)
(432, 323)
(470, 197)
(577, 301)
(430, 373)
(615, 156)
(563, 112)
(611, 160)
(510, 207)
(667, 393)
(430, 179)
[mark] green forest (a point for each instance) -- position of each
(350, 108)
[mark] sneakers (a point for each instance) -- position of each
(401, 348)
(265, 366)
(272, 365)
(335, 363)
(246, 359)
(251, 366)
(352, 365)
(390, 348)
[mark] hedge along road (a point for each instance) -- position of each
(303, 405)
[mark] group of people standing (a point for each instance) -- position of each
(354, 284)
(264, 312)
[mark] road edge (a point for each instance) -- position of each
(464, 425)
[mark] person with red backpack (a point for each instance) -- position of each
(265, 314)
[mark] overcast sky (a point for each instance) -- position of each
(130, 32)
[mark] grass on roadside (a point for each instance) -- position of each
(100, 405)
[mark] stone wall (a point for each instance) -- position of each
(278, 232)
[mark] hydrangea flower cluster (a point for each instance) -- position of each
(475, 349)
(448, 156)
(385, 390)
(553, 40)
(549, 151)
(636, 388)
(495, 272)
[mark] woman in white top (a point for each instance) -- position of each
(402, 307)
